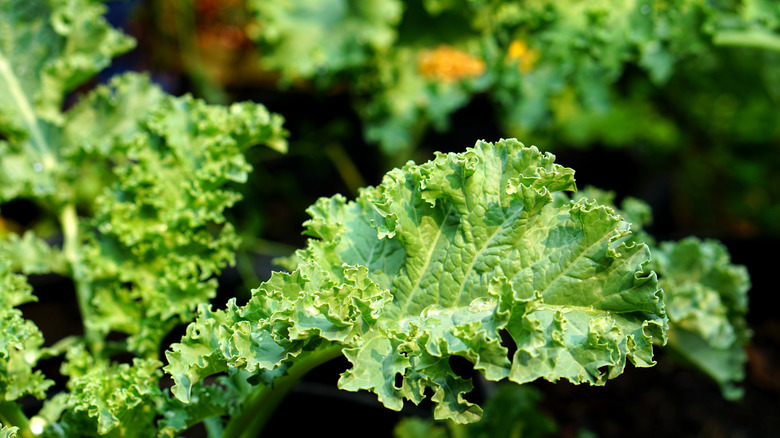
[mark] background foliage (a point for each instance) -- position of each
(674, 102)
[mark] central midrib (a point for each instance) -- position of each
(25, 109)
(481, 250)
(424, 269)
(568, 268)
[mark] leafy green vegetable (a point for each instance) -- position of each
(160, 234)
(707, 303)
(692, 83)
(552, 64)
(480, 255)
(438, 261)
(20, 341)
(706, 298)
(137, 182)
(46, 50)
(8, 432)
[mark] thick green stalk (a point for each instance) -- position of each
(71, 248)
(748, 38)
(262, 403)
(11, 414)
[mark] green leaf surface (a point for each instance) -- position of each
(707, 302)
(31, 254)
(104, 397)
(8, 431)
(317, 39)
(706, 298)
(164, 167)
(20, 340)
(47, 49)
(440, 260)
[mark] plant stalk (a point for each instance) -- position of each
(346, 167)
(262, 403)
(71, 248)
(11, 414)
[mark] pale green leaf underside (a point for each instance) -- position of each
(465, 247)
(707, 301)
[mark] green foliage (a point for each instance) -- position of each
(692, 82)
(707, 303)
(435, 262)
(8, 432)
(706, 298)
(20, 339)
(447, 258)
(546, 65)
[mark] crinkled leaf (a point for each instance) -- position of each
(104, 396)
(208, 403)
(47, 48)
(706, 298)
(440, 260)
(707, 302)
(8, 431)
(274, 327)
(20, 340)
(159, 234)
(31, 254)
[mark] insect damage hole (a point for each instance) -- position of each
(509, 343)
(398, 382)
(464, 369)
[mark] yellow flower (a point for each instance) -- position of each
(446, 63)
(526, 57)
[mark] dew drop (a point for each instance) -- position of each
(38, 166)
(645, 9)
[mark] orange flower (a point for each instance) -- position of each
(526, 57)
(448, 64)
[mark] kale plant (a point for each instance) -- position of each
(487, 255)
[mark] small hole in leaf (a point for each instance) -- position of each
(399, 381)
(462, 367)
(508, 343)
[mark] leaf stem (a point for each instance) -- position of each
(71, 249)
(11, 414)
(346, 167)
(748, 38)
(262, 403)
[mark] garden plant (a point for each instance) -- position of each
(490, 257)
